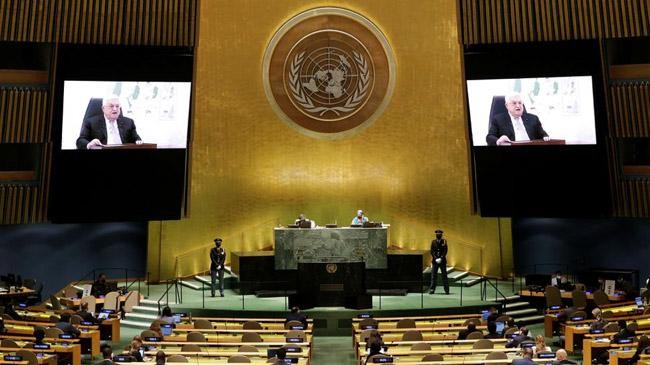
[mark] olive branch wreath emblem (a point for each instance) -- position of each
(350, 104)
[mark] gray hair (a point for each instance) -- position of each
(509, 97)
(111, 97)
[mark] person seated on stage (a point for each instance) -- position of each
(518, 339)
(109, 128)
(599, 323)
(643, 344)
(462, 334)
(161, 358)
(296, 315)
(167, 315)
(39, 335)
(561, 358)
(515, 125)
(526, 357)
(65, 325)
(100, 288)
(540, 345)
(558, 279)
(304, 222)
(85, 315)
(359, 219)
(623, 332)
(492, 331)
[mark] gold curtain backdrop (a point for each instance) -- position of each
(249, 171)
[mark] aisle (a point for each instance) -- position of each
(330, 350)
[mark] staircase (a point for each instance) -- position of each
(142, 315)
(520, 310)
(203, 282)
(456, 277)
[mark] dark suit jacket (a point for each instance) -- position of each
(95, 127)
(501, 125)
(523, 361)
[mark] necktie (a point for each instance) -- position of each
(520, 131)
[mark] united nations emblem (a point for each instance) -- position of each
(331, 268)
(328, 72)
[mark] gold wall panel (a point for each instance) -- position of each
(250, 172)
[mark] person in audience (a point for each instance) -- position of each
(100, 288)
(558, 279)
(375, 349)
(137, 350)
(492, 331)
(471, 327)
(509, 324)
(11, 312)
(540, 345)
(155, 326)
(107, 355)
(644, 342)
(160, 357)
(623, 332)
(296, 315)
(374, 337)
(526, 357)
(518, 339)
(85, 315)
(626, 287)
(39, 335)
(561, 358)
(65, 325)
(493, 314)
(599, 323)
(167, 315)
(280, 356)
(2, 326)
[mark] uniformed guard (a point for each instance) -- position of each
(217, 260)
(439, 260)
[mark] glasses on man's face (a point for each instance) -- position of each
(112, 106)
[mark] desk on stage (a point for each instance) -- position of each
(330, 245)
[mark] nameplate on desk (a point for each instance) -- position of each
(577, 318)
(527, 345)
(369, 327)
(42, 346)
(122, 358)
(596, 331)
(625, 340)
(294, 339)
(546, 355)
(294, 349)
(647, 350)
(300, 327)
(554, 307)
(291, 360)
(66, 336)
(22, 305)
(13, 358)
(382, 360)
(153, 339)
(87, 323)
(365, 315)
(109, 311)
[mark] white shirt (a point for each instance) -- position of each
(112, 132)
(520, 129)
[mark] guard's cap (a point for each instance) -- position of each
(218, 240)
(439, 231)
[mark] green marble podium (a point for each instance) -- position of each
(330, 245)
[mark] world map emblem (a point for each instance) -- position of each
(329, 72)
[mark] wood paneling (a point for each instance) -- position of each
(23, 115)
(16, 203)
(630, 109)
(130, 22)
(504, 21)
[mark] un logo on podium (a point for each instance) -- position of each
(328, 72)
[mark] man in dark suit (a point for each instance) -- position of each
(515, 125)
(108, 128)
(439, 257)
(296, 315)
(526, 357)
(518, 339)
